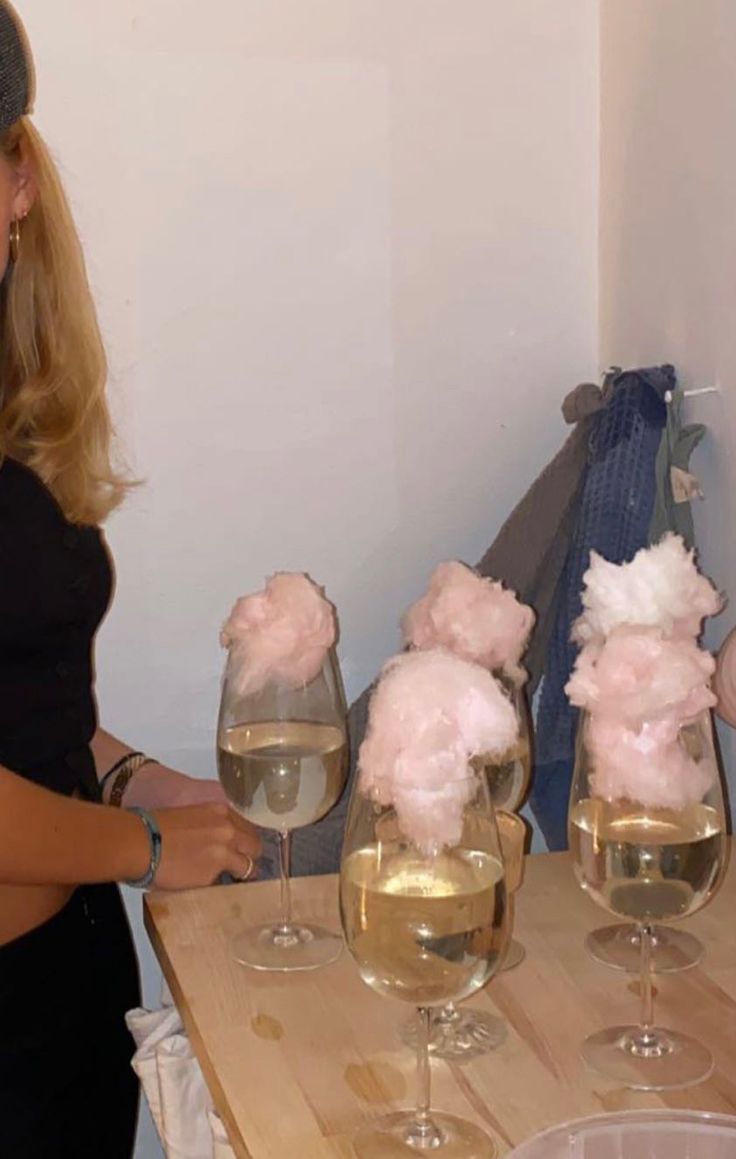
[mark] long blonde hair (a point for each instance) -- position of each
(53, 411)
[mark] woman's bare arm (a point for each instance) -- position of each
(155, 785)
(46, 838)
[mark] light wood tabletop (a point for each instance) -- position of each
(295, 1062)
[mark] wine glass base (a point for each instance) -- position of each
(618, 947)
(298, 947)
(469, 1035)
(514, 957)
(678, 1062)
(390, 1138)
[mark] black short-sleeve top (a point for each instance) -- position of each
(55, 586)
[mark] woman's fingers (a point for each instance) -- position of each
(246, 835)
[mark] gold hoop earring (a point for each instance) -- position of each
(14, 240)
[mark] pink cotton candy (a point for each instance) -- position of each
(650, 766)
(281, 634)
(430, 713)
(475, 618)
(641, 675)
(638, 675)
(661, 587)
(640, 689)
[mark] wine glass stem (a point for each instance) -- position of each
(647, 996)
(422, 1132)
(285, 870)
(423, 1071)
(647, 1042)
(448, 1014)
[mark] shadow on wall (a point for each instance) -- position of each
(668, 237)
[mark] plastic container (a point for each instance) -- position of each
(637, 1135)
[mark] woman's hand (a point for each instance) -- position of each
(199, 842)
(156, 787)
(202, 836)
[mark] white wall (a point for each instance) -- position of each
(668, 233)
(344, 254)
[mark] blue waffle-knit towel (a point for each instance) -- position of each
(614, 519)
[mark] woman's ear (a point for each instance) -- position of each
(24, 181)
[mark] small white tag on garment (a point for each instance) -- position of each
(684, 486)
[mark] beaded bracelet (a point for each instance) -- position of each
(120, 774)
(154, 837)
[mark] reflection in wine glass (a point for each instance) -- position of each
(465, 1034)
(648, 864)
(423, 928)
(282, 761)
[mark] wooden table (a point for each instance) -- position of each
(295, 1062)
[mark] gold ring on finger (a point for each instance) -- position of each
(249, 870)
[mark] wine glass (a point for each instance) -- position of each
(282, 761)
(509, 775)
(424, 928)
(648, 864)
(509, 779)
(463, 1034)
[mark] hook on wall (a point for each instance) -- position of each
(694, 393)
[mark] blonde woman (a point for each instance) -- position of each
(67, 966)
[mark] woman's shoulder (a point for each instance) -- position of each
(22, 491)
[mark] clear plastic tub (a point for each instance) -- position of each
(637, 1135)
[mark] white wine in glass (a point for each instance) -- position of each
(282, 774)
(650, 865)
(425, 929)
(282, 761)
(619, 946)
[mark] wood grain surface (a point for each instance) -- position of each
(295, 1062)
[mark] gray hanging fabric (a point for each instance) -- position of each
(529, 552)
(676, 486)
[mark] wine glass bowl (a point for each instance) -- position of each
(468, 1033)
(424, 927)
(512, 835)
(508, 779)
(420, 929)
(649, 864)
(672, 950)
(509, 775)
(282, 762)
(282, 774)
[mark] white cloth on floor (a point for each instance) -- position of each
(181, 1107)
